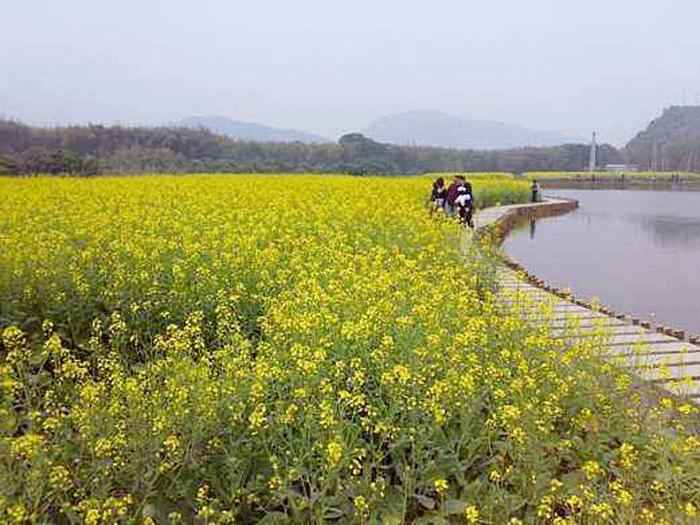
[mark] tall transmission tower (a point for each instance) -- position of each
(592, 162)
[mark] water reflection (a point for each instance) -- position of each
(639, 251)
(668, 231)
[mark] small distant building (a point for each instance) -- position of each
(619, 168)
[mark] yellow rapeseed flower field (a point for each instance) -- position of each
(221, 349)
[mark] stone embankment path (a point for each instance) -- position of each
(669, 363)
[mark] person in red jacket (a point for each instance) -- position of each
(451, 196)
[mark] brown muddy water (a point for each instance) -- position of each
(637, 251)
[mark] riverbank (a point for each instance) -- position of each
(499, 220)
(615, 177)
(676, 181)
(636, 250)
(621, 184)
(660, 356)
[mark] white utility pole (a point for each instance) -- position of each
(593, 159)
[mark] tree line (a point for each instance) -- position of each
(96, 149)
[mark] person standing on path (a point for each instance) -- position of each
(535, 191)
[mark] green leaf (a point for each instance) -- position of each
(431, 519)
(392, 519)
(272, 518)
(425, 501)
(149, 511)
(333, 513)
(453, 506)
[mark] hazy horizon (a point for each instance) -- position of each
(329, 68)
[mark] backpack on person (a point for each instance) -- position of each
(464, 205)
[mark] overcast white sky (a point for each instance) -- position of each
(332, 66)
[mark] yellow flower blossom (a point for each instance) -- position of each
(471, 514)
(290, 344)
(361, 506)
(440, 485)
(334, 452)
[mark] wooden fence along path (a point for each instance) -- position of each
(670, 363)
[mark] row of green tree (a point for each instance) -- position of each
(95, 149)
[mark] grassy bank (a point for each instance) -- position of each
(298, 349)
(640, 177)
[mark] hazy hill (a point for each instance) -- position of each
(249, 131)
(670, 142)
(433, 128)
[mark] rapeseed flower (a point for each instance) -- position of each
(203, 348)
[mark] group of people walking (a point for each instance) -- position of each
(458, 198)
(455, 200)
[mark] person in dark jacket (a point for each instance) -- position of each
(535, 191)
(438, 195)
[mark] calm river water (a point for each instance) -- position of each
(637, 251)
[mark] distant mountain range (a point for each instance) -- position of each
(433, 128)
(419, 128)
(249, 131)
